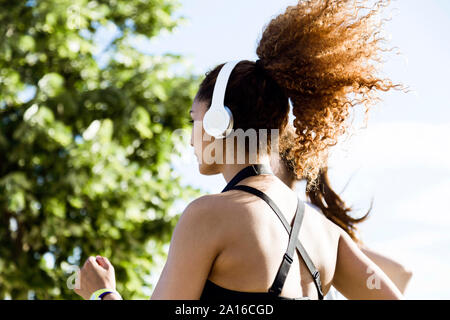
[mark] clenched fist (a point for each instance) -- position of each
(97, 273)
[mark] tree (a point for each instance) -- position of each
(86, 142)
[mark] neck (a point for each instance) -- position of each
(230, 170)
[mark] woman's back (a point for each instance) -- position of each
(255, 240)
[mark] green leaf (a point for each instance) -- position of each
(26, 43)
(61, 134)
(51, 84)
(75, 202)
(17, 201)
(141, 121)
(56, 207)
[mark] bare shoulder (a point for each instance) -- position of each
(198, 204)
(204, 214)
(202, 209)
(216, 204)
(316, 216)
(209, 204)
(228, 214)
(318, 224)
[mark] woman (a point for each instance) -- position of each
(230, 245)
(323, 197)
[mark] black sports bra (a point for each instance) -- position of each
(212, 291)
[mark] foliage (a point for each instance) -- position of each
(86, 142)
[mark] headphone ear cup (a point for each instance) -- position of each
(218, 120)
(230, 123)
(218, 123)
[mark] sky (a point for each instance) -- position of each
(401, 159)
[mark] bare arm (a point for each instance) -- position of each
(193, 249)
(394, 270)
(358, 277)
(194, 246)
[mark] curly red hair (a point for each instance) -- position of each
(320, 55)
(324, 54)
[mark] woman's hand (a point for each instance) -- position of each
(97, 273)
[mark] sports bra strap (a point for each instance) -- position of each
(288, 258)
(250, 171)
(293, 239)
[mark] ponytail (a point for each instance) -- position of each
(322, 54)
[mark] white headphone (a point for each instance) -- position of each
(218, 120)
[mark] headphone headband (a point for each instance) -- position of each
(220, 88)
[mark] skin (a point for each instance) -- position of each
(240, 243)
(97, 273)
(398, 273)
